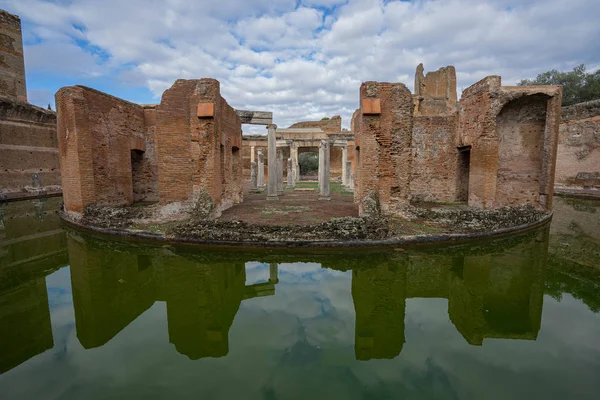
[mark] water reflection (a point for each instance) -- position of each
(493, 290)
(32, 245)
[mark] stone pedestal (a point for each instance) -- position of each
(280, 172)
(324, 189)
(261, 170)
(291, 182)
(272, 158)
(253, 177)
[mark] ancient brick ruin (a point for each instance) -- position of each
(29, 163)
(495, 147)
(578, 162)
(185, 149)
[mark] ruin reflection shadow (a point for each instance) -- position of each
(493, 291)
(491, 294)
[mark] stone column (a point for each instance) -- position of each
(252, 153)
(280, 172)
(297, 172)
(253, 177)
(349, 176)
(290, 174)
(324, 190)
(344, 165)
(272, 158)
(261, 169)
(294, 163)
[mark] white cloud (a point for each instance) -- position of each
(305, 59)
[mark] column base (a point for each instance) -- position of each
(324, 197)
(272, 197)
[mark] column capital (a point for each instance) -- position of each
(271, 126)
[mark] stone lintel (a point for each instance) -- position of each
(255, 117)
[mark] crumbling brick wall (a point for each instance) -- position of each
(12, 65)
(499, 137)
(96, 135)
(435, 159)
(29, 163)
(198, 140)
(332, 125)
(578, 162)
(383, 135)
(28, 150)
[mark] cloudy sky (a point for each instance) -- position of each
(301, 59)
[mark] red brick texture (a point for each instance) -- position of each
(114, 152)
(196, 154)
(28, 149)
(383, 147)
(95, 132)
(513, 134)
(12, 67)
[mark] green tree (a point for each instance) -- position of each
(578, 85)
(309, 162)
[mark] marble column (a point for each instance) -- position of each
(253, 177)
(252, 154)
(294, 162)
(324, 189)
(280, 172)
(349, 181)
(344, 165)
(290, 174)
(261, 169)
(272, 159)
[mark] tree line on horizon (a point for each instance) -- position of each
(578, 85)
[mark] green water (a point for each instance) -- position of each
(90, 318)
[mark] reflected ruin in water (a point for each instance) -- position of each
(214, 299)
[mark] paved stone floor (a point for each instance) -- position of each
(294, 207)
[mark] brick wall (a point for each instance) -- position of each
(198, 154)
(513, 134)
(383, 138)
(435, 158)
(96, 135)
(578, 162)
(28, 150)
(332, 125)
(12, 65)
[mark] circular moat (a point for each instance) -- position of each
(88, 316)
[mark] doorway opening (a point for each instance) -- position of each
(462, 174)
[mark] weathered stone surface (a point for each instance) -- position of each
(253, 177)
(383, 147)
(272, 154)
(12, 67)
(578, 161)
(114, 152)
(324, 176)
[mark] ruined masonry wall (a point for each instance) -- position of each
(435, 158)
(12, 64)
(96, 133)
(332, 125)
(383, 137)
(29, 161)
(212, 144)
(578, 162)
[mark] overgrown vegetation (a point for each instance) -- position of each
(578, 85)
(309, 163)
